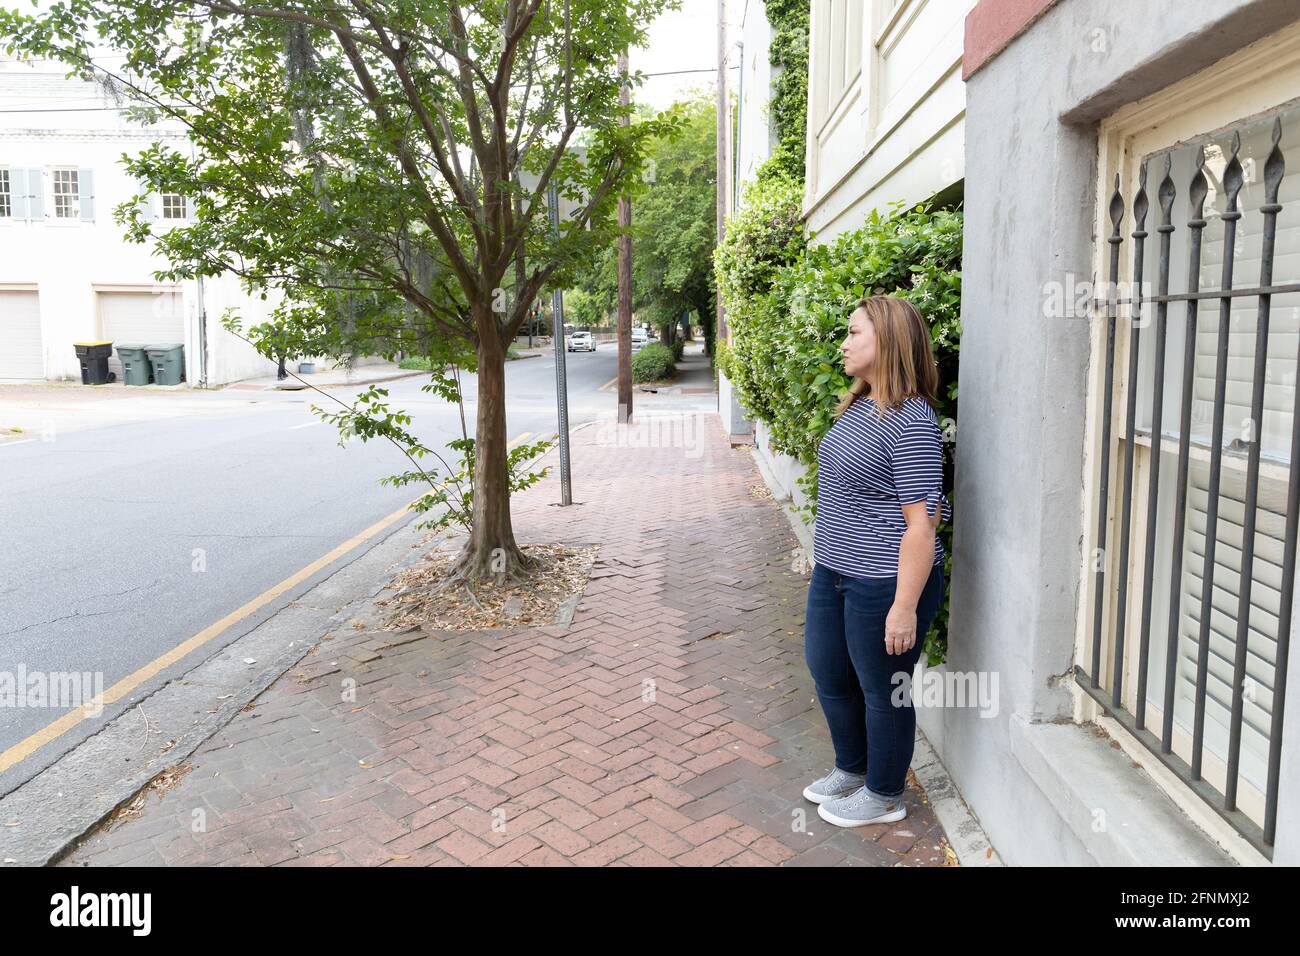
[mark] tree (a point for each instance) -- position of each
(673, 227)
(676, 222)
(363, 157)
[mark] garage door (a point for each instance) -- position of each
(140, 318)
(21, 353)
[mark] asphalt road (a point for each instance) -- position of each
(118, 542)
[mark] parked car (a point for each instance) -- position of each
(639, 338)
(581, 342)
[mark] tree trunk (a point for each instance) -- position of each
(491, 551)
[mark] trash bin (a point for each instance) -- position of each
(136, 369)
(94, 358)
(168, 363)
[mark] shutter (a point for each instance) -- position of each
(1284, 317)
(18, 202)
(144, 206)
(35, 195)
(1265, 599)
(86, 193)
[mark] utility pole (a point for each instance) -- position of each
(624, 332)
(724, 124)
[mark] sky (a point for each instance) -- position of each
(685, 40)
(682, 40)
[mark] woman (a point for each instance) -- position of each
(878, 577)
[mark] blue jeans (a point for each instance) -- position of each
(844, 645)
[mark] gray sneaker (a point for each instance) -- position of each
(837, 783)
(862, 807)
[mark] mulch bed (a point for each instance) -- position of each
(421, 599)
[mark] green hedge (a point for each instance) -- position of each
(788, 310)
(654, 363)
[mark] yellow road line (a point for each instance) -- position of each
(608, 384)
(57, 728)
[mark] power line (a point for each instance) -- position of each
(100, 109)
(712, 69)
(73, 109)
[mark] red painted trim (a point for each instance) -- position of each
(992, 25)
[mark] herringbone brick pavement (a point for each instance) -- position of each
(672, 722)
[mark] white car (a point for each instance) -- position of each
(639, 338)
(581, 342)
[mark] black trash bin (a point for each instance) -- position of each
(94, 362)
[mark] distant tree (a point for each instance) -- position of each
(673, 228)
(674, 223)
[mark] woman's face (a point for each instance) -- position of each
(859, 346)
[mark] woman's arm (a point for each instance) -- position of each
(915, 559)
(917, 464)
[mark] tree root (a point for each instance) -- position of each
(471, 567)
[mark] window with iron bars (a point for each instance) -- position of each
(1198, 502)
(6, 202)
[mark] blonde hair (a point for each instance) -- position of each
(905, 364)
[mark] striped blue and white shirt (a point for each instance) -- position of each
(868, 468)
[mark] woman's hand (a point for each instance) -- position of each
(900, 629)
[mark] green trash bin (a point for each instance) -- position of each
(136, 369)
(168, 363)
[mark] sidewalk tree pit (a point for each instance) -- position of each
(363, 166)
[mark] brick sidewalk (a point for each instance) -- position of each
(536, 746)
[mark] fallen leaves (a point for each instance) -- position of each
(167, 780)
(421, 601)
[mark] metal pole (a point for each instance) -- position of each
(624, 333)
(561, 384)
(203, 334)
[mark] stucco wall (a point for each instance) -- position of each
(1017, 553)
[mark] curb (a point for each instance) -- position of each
(371, 381)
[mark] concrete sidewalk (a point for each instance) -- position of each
(672, 722)
(326, 378)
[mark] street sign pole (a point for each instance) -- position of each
(561, 383)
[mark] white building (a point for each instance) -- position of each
(756, 134)
(67, 274)
(886, 108)
(755, 140)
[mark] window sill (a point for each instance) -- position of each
(1081, 773)
(1233, 459)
